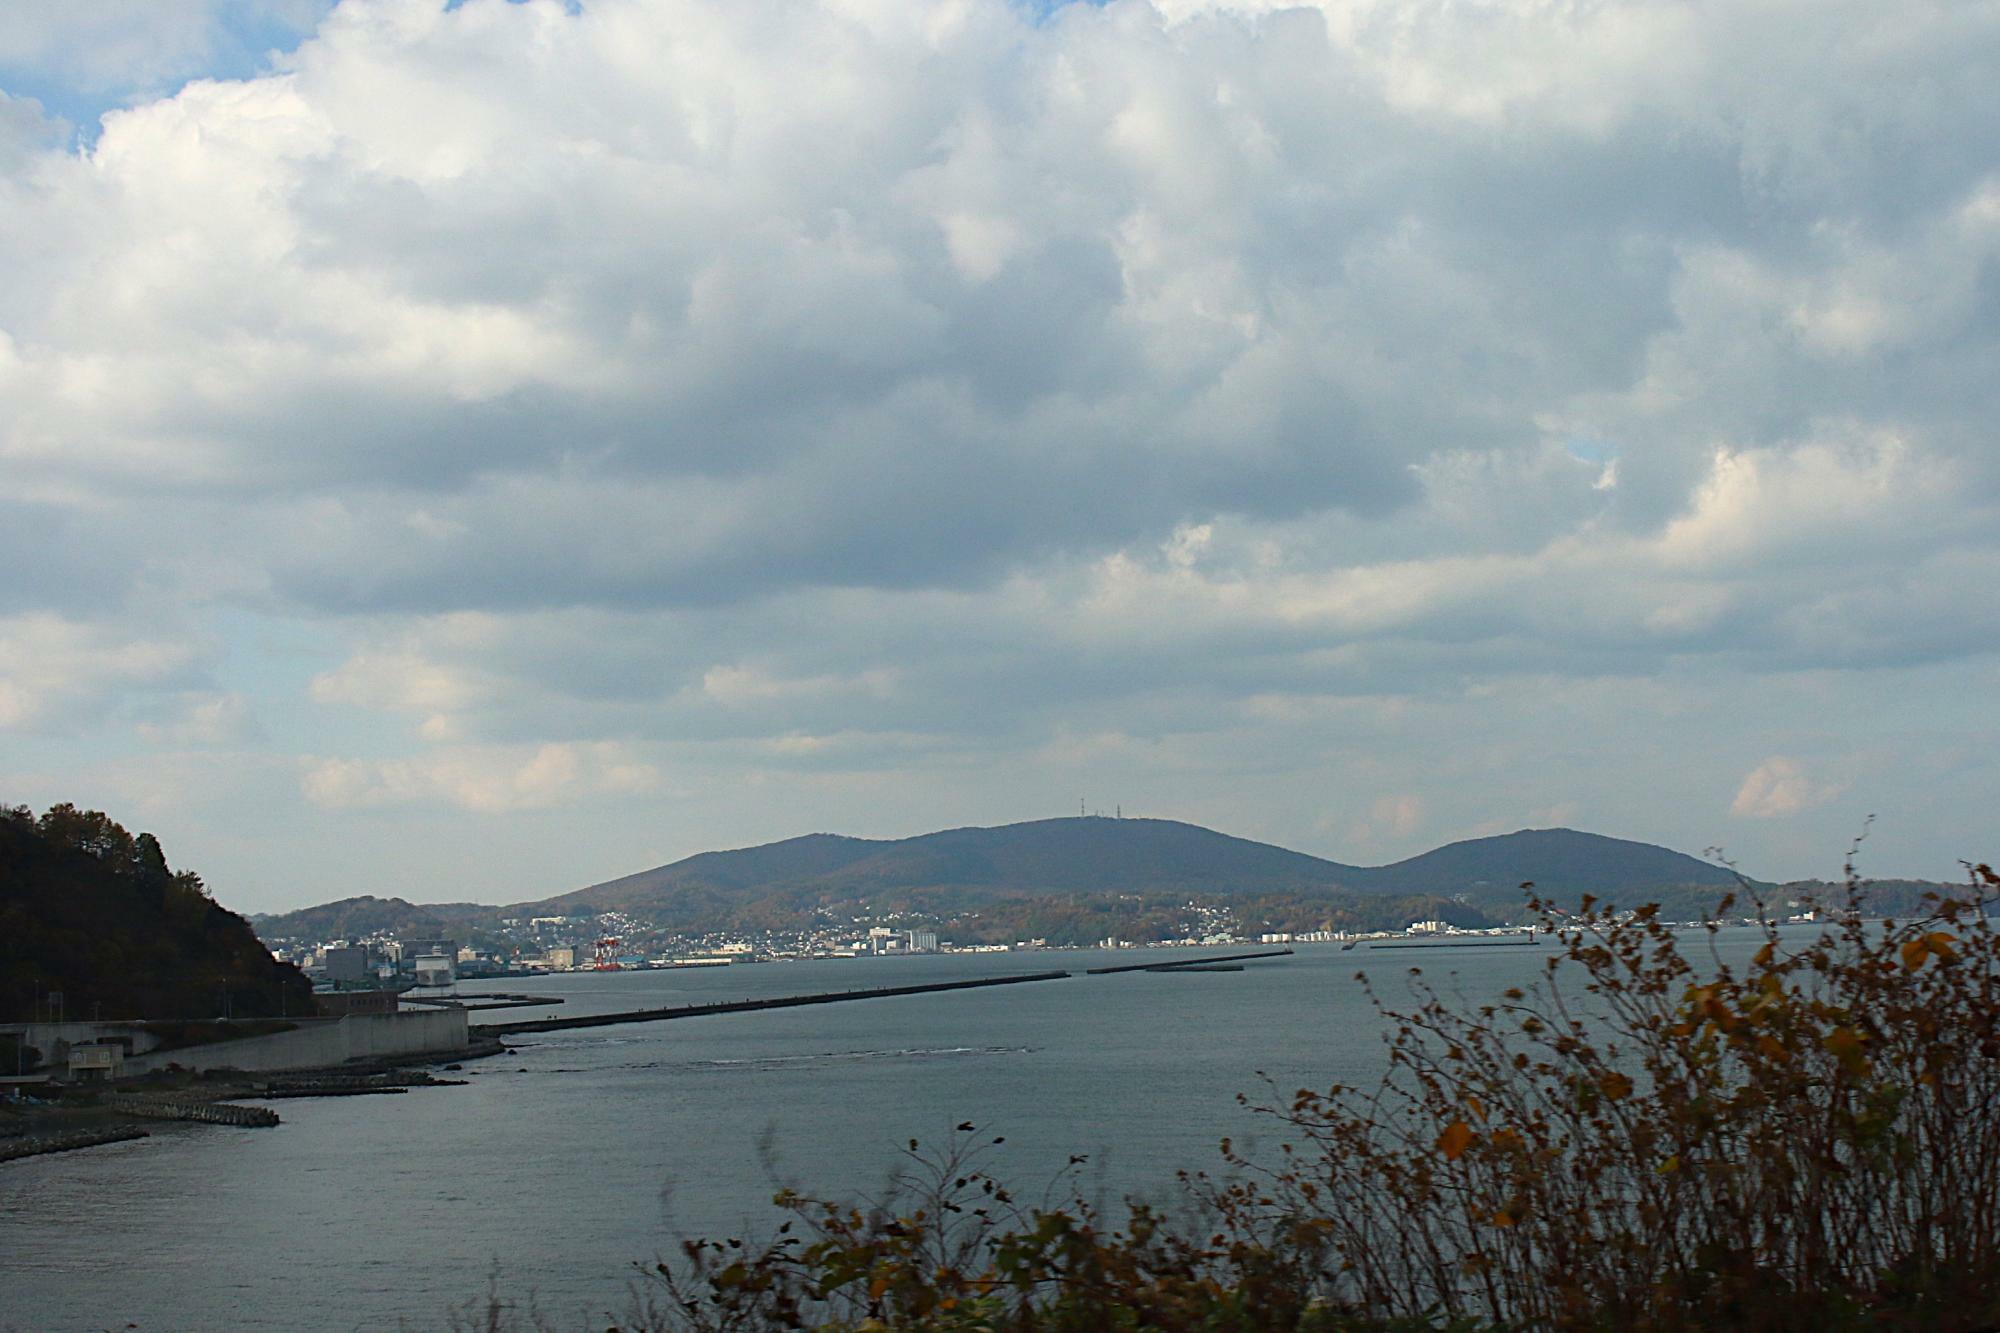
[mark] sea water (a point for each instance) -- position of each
(561, 1165)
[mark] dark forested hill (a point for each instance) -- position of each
(950, 871)
(94, 914)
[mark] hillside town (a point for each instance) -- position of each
(617, 941)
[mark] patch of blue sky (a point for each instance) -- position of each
(1586, 449)
(573, 6)
(1041, 11)
(272, 661)
(239, 39)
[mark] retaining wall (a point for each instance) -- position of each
(53, 1040)
(318, 1043)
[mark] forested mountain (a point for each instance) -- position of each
(1049, 856)
(950, 873)
(1081, 879)
(1562, 864)
(353, 919)
(95, 914)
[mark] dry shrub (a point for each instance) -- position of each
(1635, 1142)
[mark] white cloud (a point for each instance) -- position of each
(405, 681)
(739, 685)
(1392, 819)
(481, 779)
(1186, 389)
(55, 671)
(1779, 788)
(207, 720)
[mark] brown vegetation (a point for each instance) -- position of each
(1640, 1141)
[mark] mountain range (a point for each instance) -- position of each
(1098, 855)
(950, 873)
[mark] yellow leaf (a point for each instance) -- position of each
(1615, 1085)
(1765, 955)
(1478, 1108)
(1504, 1219)
(1940, 944)
(1456, 1138)
(1670, 1166)
(1845, 1043)
(1913, 953)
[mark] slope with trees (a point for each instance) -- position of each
(952, 872)
(95, 914)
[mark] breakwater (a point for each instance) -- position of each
(34, 1145)
(1187, 964)
(207, 1113)
(1456, 942)
(332, 1084)
(482, 1000)
(748, 1006)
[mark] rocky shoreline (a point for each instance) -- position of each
(87, 1117)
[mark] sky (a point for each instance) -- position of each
(469, 451)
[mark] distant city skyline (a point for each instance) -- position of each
(475, 450)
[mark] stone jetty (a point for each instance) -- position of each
(34, 1145)
(207, 1113)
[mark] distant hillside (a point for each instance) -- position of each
(1562, 864)
(957, 869)
(352, 919)
(1050, 856)
(92, 912)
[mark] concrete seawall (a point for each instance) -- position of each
(322, 1043)
(748, 1006)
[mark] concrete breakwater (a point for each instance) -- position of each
(747, 1006)
(1188, 964)
(208, 1113)
(34, 1145)
(470, 1000)
(349, 1085)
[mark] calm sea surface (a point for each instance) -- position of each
(560, 1165)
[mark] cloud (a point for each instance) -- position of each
(52, 670)
(483, 780)
(1778, 788)
(1228, 389)
(1390, 819)
(133, 46)
(207, 721)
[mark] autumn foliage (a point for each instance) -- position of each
(92, 913)
(1647, 1138)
